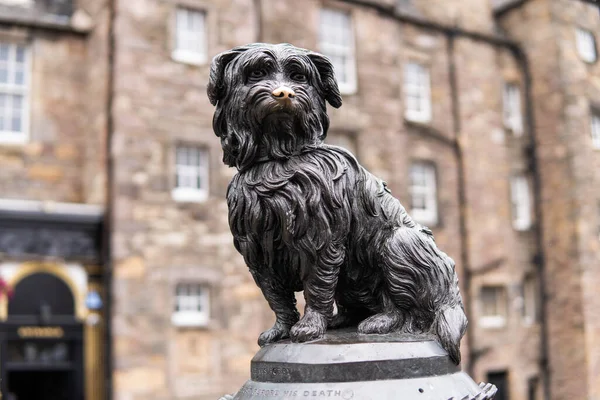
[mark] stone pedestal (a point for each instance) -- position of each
(345, 365)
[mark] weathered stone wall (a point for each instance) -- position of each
(63, 160)
(474, 15)
(564, 90)
(159, 242)
(47, 167)
(580, 84)
(97, 84)
(498, 254)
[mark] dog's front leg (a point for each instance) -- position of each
(282, 301)
(319, 292)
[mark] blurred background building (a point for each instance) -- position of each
(483, 117)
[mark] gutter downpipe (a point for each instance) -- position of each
(109, 215)
(540, 259)
(462, 197)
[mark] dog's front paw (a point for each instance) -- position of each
(381, 323)
(276, 333)
(312, 326)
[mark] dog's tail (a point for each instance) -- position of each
(450, 325)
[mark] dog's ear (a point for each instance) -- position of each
(325, 68)
(216, 85)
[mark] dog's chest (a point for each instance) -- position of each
(287, 203)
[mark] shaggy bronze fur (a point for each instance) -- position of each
(306, 216)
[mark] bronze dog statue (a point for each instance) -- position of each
(306, 216)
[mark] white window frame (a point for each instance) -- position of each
(598, 220)
(428, 190)
(194, 38)
(499, 319)
(513, 117)
(201, 170)
(417, 84)
(586, 45)
(22, 3)
(341, 43)
(12, 137)
(520, 195)
(529, 300)
(188, 315)
(595, 130)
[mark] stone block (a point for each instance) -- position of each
(130, 268)
(47, 173)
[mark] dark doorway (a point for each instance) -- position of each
(41, 342)
(39, 385)
(532, 385)
(43, 295)
(500, 379)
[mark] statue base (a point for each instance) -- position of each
(346, 365)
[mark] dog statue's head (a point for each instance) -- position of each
(270, 101)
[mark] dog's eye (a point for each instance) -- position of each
(258, 73)
(298, 77)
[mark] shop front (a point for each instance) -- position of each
(51, 340)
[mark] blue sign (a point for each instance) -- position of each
(93, 300)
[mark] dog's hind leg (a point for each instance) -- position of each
(389, 320)
(319, 292)
(282, 301)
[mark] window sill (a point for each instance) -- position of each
(188, 57)
(7, 139)
(184, 195)
(417, 119)
(527, 322)
(430, 222)
(430, 225)
(516, 133)
(190, 320)
(347, 89)
(30, 17)
(588, 61)
(496, 322)
(522, 228)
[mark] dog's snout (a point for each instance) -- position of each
(283, 92)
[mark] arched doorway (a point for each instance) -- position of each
(41, 341)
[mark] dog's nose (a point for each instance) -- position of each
(283, 92)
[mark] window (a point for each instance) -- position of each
(342, 139)
(500, 380)
(493, 307)
(423, 193)
(26, 3)
(532, 385)
(190, 36)
(191, 174)
(336, 41)
(192, 305)
(529, 300)
(512, 109)
(595, 129)
(14, 87)
(417, 93)
(521, 202)
(586, 45)
(598, 219)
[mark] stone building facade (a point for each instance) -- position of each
(483, 117)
